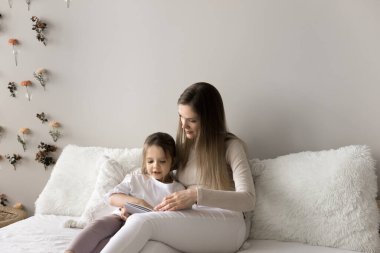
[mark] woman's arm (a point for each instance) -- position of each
(242, 199)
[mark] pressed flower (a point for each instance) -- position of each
(12, 88)
(39, 27)
(40, 71)
(54, 132)
(24, 130)
(21, 137)
(54, 124)
(13, 159)
(41, 75)
(42, 117)
(26, 84)
(42, 155)
(13, 42)
(28, 3)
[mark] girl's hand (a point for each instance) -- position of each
(177, 201)
(123, 213)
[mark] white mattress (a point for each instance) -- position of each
(45, 234)
(37, 234)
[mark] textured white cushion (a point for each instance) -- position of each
(324, 198)
(74, 176)
(111, 174)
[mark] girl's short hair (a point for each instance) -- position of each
(164, 141)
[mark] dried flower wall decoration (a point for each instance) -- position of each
(42, 155)
(13, 42)
(26, 84)
(13, 159)
(12, 88)
(54, 132)
(41, 75)
(21, 137)
(28, 3)
(41, 116)
(3, 199)
(39, 27)
(10, 2)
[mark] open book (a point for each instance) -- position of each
(133, 208)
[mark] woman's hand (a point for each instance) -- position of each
(177, 201)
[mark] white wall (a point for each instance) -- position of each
(295, 75)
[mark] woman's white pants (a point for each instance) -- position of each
(201, 229)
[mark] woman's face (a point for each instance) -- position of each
(157, 163)
(190, 121)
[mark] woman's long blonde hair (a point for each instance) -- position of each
(210, 144)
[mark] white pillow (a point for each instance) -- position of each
(73, 178)
(111, 174)
(324, 198)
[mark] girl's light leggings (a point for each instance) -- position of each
(201, 229)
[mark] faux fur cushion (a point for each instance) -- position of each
(324, 198)
(74, 177)
(111, 174)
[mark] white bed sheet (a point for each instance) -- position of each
(46, 234)
(272, 246)
(36, 234)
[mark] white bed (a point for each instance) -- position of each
(45, 234)
(307, 202)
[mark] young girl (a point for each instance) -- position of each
(147, 188)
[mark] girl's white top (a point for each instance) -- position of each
(145, 187)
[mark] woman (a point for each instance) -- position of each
(215, 169)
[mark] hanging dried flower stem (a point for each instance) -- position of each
(28, 3)
(21, 137)
(10, 2)
(12, 88)
(42, 117)
(26, 84)
(41, 75)
(54, 132)
(67, 3)
(39, 27)
(13, 159)
(13, 42)
(42, 155)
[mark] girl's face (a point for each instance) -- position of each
(190, 121)
(157, 163)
